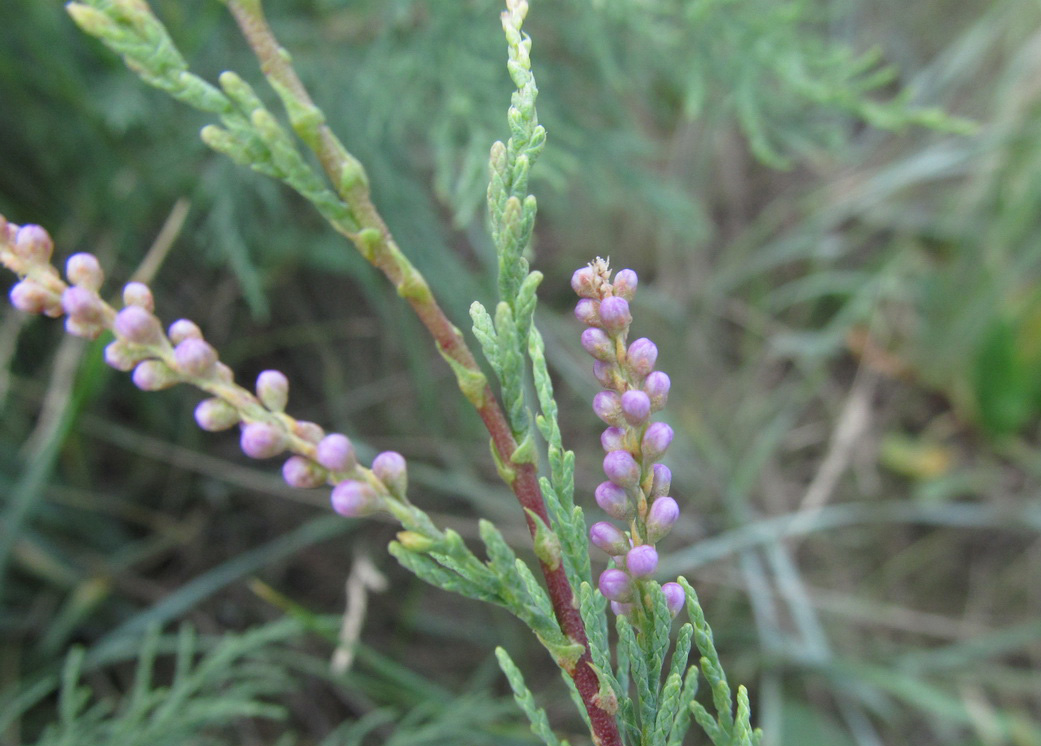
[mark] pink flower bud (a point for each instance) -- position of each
(262, 440)
(273, 390)
(354, 499)
(615, 315)
(183, 329)
(616, 585)
(135, 324)
(139, 294)
(83, 305)
(636, 407)
(661, 518)
(336, 453)
(642, 561)
(119, 355)
(608, 538)
(312, 432)
(657, 387)
(613, 500)
(32, 297)
(662, 480)
(583, 282)
(33, 244)
(302, 473)
(84, 270)
(607, 374)
(588, 312)
(608, 407)
(389, 467)
(216, 414)
(195, 357)
(656, 441)
(625, 283)
(641, 356)
(613, 439)
(621, 468)
(84, 329)
(598, 344)
(154, 375)
(675, 597)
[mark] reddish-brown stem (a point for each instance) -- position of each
(385, 254)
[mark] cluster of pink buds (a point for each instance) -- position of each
(160, 360)
(636, 492)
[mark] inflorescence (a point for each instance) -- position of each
(181, 355)
(636, 492)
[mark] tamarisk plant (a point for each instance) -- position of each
(634, 699)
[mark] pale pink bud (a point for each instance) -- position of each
(120, 356)
(642, 561)
(154, 375)
(312, 432)
(616, 585)
(608, 538)
(636, 407)
(661, 517)
(354, 499)
(262, 440)
(138, 294)
(641, 356)
(675, 597)
(135, 324)
(608, 407)
(613, 439)
(625, 283)
(389, 467)
(588, 312)
(273, 390)
(302, 473)
(183, 329)
(607, 374)
(656, 441)
(83, 305)
(84, 329)
(33, 244)
(216, 414)
(615, 315)
(32, 297)
(662, 480)
(621, 468)
(598, 344)
(336, 453)
(84, 270)
(657, 387)
(195, 357)
(583, 282)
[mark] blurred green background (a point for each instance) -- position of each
(844, 285)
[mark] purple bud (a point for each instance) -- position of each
(616, 585)
(82, 305)
(588, 312)
(614, 314)
(273, 390)
(135, 324)
(195, 357)
(607, 374)
(675, 597)
(656, 441)
(620, 609)
(312, 432)
(608, 407)
(336, 453)
(613, 500)
(657, 387)
(389, 467)
(625, 283)
(215, 415)
(622, 469)
(661, 518)
(183, 329)
(583, 282)
(33, 244)
(608, 538)
(138, 294)
(598, 344)
(84, 329)
(662, 480)
(32, 297)
(262, 440)
(613, 439)
(354, 499)
(84, 270)
(641, 356)
(302, 472)
(636, 407)
(154, 375)
(642, 561)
